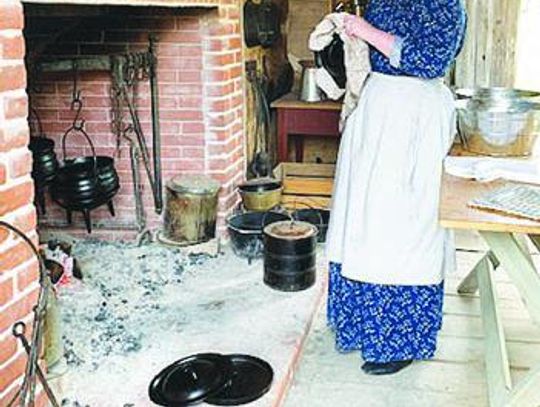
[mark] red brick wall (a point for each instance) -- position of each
(201, 98)
(18, 269)
(201, 117)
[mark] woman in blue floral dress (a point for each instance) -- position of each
(387, 253)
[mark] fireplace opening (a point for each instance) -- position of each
(92, 91)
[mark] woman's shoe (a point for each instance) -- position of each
(378, 369)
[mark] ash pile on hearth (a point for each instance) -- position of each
(125, 294)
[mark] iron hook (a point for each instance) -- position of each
(19, 329)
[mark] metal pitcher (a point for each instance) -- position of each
(310, 92)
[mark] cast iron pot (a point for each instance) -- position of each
(77, 187)
(85, 183)
(44, 161)
(261, 194)
(108, 180)
(332, 59)
(44, 167)
(246, 231)
(290, 255)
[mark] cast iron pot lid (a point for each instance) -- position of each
(250, 379)
(190, 380)
(193, 184)
(291, 230)
(222, 380)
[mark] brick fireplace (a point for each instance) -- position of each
(199, 53)
(200, 67)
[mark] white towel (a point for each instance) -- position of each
(491, 168)
(357, 63)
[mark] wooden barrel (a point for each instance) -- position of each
(290, 255)
(190, 210)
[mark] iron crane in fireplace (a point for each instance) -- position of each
(126, 70)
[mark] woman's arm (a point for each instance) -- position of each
(358, 27)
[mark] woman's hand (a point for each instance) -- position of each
(355, 26)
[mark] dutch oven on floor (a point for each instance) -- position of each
(246, 231)
(290, 255)
(223, 380)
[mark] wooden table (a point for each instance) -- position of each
(506, 238)
(295, 117)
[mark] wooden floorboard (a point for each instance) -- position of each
(455, 377)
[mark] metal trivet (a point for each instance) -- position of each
(513, 199)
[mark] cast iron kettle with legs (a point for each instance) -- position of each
(44, 162)
(84, 183)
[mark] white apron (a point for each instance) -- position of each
(384, 221)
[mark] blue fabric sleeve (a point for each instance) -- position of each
(429, 51)
(395, 55)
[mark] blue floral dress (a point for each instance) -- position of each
(399, 322)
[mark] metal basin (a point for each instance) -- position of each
(498, 121)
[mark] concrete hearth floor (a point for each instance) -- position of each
(216, 305)
(222, 305)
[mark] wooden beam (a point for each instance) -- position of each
(97, 63)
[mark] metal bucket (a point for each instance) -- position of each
(190, 210)
(290, 255)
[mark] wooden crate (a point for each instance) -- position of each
(306, 184)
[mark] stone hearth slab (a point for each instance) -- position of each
(222, 306)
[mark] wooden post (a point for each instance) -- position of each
(488, 56)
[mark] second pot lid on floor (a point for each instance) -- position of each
(225, 380)
(250, 379)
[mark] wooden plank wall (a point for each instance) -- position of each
(303, 17)
(489, 54)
